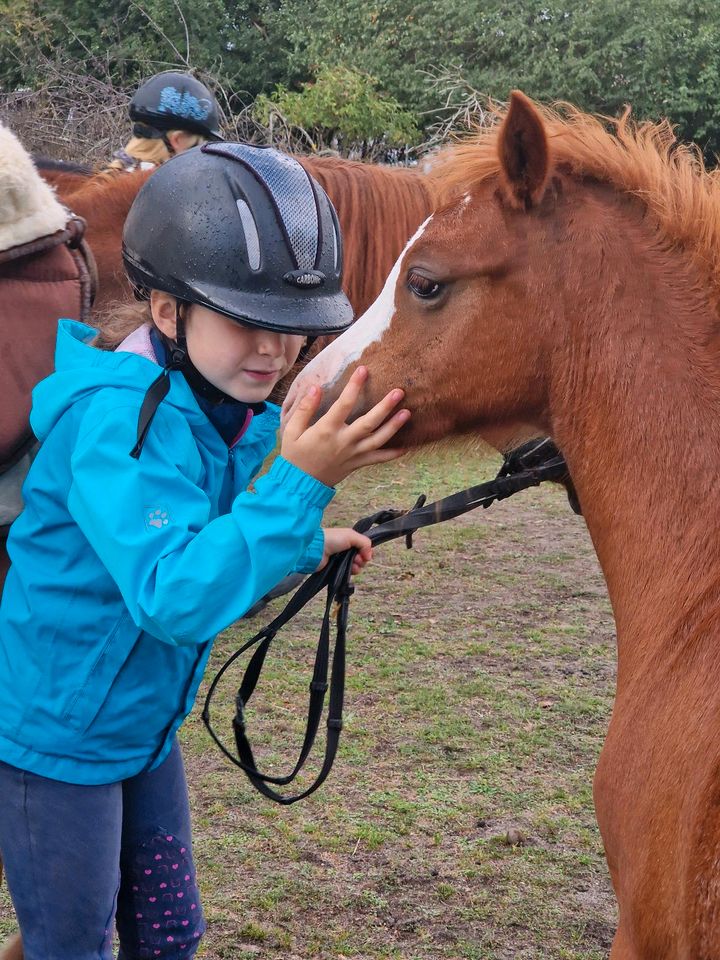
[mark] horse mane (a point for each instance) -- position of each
(117, 187)
(643, 159)
(44, 163)
(379, 209)
(107, 195)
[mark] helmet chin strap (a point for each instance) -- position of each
(178, 358)
(178, 351)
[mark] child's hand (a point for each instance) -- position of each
(338, 539)
(331, 449)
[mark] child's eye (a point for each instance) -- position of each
(423, 287)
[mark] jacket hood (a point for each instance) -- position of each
(81, 370)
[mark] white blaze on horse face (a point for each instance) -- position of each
(331, 362)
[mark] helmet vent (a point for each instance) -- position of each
(252, 240)
(291, 190)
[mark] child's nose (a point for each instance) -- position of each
(270, 344)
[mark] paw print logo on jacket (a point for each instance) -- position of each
(156, 518)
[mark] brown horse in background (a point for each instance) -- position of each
(571, 283)
(378, 208)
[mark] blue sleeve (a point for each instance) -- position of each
(257, 444)
(310, 560)
(251, 453)
(184, 576)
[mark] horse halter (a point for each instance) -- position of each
(527, 466)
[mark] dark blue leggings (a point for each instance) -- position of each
(79, 857)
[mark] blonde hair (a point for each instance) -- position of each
(118, 321)
(147, 150)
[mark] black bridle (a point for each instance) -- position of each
(528, 466)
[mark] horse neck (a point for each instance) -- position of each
(635, 407)
(104, 203)
(66, 183)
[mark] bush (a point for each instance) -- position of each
(341, 110)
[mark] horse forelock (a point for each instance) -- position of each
(644, 160)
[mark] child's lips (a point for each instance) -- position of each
(261, 375)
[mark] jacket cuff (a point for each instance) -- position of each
(293, 480)
(310, 560)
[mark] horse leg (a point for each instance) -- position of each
(621, 948)
(12, 949)
(605, 795)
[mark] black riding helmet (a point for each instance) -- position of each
(244, 231)
(175, 101)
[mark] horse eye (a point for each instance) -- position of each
(422, 287)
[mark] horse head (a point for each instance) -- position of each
(462, 322)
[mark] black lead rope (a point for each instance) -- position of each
(528, 466)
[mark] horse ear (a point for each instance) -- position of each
(523, 150)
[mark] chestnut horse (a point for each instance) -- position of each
(571, 283)
(378, 208)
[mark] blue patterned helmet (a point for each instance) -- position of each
(176, 101)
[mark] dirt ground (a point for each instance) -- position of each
(458, 821)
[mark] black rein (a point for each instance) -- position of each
(528, 466)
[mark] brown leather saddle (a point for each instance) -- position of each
(40, 282)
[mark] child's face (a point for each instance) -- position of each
(244, 362)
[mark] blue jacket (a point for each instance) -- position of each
(123, 571)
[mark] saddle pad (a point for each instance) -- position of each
(39, 283)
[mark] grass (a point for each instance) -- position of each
(458, 822)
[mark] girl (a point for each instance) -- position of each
(139, 540)
(171, 112)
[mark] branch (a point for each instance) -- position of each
(162, 32)
(187, 33)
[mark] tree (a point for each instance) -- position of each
(342, 109)
(661, 56)
(129, 39)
